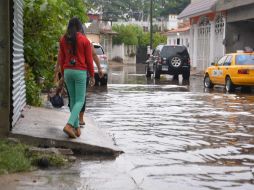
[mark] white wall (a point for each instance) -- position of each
(172, 22)
(183, 36)
(118, 51)
(123, 51)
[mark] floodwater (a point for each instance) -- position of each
(175, 135)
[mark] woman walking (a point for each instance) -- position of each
(75, 59)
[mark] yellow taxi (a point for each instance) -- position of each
(232, 70)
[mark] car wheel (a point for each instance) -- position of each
(156, 73)
(207, 82)
(230, 87)
(148, 72)
(186, 75)
(175, 62)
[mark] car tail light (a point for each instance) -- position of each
(164, 60)
(243, 71)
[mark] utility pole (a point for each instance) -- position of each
(151, 24)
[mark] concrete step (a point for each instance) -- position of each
(44, 128)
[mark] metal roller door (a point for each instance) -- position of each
(18, 66)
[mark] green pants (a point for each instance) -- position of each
(75, 81)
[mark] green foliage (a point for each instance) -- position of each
(140, 10)
(52, 159)
(32, 89)
(12, 158)
(16, 157)
(157, 39)
(173, 7)
(128, 35)
(44, 23)
(133, 35)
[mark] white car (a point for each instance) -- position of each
(104, 65)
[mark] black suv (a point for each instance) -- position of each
(169, 59)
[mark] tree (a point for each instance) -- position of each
(129, 35)
(157, 39)
(44, 23)
(134, 35)
(138, 9)
(173, 7)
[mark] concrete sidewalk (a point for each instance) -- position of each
(44, 127)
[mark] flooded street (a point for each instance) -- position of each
(174, 134)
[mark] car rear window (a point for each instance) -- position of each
(245, 59)
(98, 50)
(168, 51)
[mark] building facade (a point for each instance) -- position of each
(100, 31)
(218, 27)
(207, 32)
(179, 36)
(239, 23)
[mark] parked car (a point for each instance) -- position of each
(169, 59)
(232, 70)
(104, 65)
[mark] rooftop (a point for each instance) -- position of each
(198, 8)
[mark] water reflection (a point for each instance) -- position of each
(175, 135)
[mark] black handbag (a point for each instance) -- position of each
(57, 101)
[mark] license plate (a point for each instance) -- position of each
(164, 68)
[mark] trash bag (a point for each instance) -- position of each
(57, 101)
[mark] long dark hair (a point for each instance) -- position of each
(74, 26)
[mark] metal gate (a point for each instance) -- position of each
(191, 48)
(18, 70)
(141, 54)
(219, 49)
(203, 51)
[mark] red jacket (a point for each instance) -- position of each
(83, 57)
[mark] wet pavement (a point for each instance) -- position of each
(175, 135)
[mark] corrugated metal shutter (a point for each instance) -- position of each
(18, 79)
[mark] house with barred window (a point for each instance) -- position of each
(179, 36)
(218, 27)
